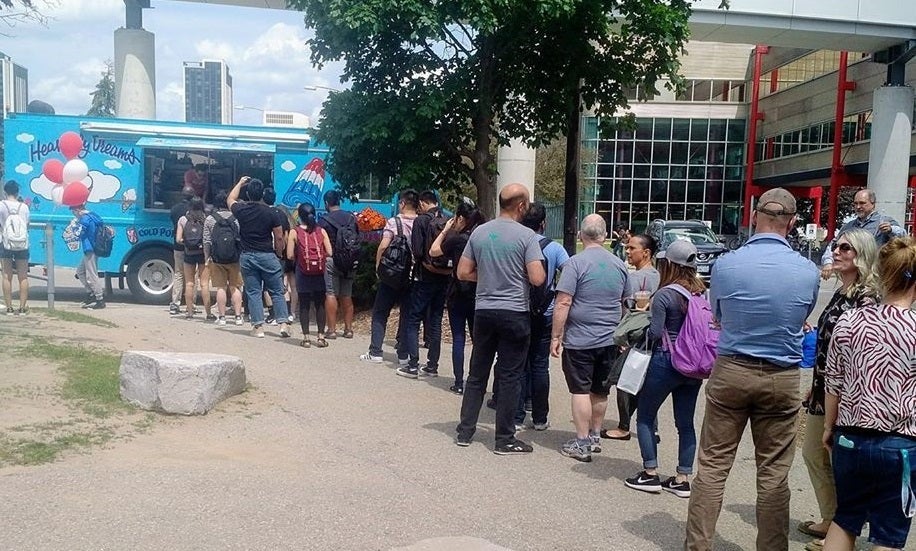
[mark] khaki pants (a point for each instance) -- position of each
(739, 391)
(820, 469)
(178, 277)
(88, 274)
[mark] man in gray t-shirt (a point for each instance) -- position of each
(504, 258)
(586, 313)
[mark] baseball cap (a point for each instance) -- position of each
(681, 251)
(776, 202)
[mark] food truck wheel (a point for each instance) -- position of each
(150, 276)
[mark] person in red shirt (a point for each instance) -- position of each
(196, 179)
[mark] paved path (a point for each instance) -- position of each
(326, 452)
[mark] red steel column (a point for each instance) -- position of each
(755, 115)
(837, 170)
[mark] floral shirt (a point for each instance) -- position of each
(871, 366)
(838, 304)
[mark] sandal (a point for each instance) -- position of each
(305, 343)
(321, 343)
(331, 336)
(348, 334)
(805, 528)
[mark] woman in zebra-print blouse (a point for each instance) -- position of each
(870, 417)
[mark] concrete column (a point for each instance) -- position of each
(889, 151)
(515, 164)
(135, 73)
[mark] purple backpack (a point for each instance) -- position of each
(694, 351)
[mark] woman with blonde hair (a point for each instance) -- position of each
(870, 409)
(854, 255)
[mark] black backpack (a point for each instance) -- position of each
(194, 236)
(346, 245)
(439, 264)
(540, 297)
(104, 238)
(394, 266)
(224, 240)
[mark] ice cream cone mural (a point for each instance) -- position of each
(72, 235)
(307, 186)
(128, 199)
(132, 235)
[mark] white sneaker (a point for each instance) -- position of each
(221, 320)
(371, 358)
(238, 320)
(257, 331)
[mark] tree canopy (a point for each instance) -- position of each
(443, 82)
(103, 97)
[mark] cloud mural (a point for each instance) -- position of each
(25, 138)
(288, 166)
(112, 164)
(24, 168)
(101, 186)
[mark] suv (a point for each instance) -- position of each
(707, 243)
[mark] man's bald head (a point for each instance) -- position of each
(593, 229)
(511, 195)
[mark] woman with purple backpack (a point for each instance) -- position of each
(677, 265)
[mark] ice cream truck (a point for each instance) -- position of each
(134, 173)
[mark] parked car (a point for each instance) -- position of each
(708, 245)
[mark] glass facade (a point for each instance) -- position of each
(668, 168)
(204, 90)
(856, 128)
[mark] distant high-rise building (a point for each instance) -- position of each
(207, 92)
(14, 86)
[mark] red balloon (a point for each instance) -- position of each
(53, 170)
(70, 144)
(76, 193)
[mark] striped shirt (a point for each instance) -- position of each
(871, 366)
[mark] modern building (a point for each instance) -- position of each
(285, 119)
(14, 92)
(207, 92)
(705, 152)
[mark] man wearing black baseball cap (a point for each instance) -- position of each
(761, 294)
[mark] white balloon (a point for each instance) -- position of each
(57, 194)
(75, 170)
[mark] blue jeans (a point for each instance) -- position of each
(661, 380)
(427, 302)
(385, 299)
(263, 268)
(536, 377)
(868, 470)
(460, 314)
(503, 335)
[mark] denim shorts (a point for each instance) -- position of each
(868, 470)
(16, 256)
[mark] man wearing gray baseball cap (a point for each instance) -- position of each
(761, 294)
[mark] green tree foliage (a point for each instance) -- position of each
(103, 98)
(550, 164)
(448, 80)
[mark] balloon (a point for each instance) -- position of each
(70, 144)
(57, 194)
(75, 171)
(75, 194)
(54, 171)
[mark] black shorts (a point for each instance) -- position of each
(587, 371)
(16, 256)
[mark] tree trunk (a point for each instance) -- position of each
(571, 195)
(482, 123)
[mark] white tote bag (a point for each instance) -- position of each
(634, 371)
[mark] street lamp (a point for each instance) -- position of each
(313, 87)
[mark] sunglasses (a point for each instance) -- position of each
(844, 247)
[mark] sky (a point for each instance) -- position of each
(265, 49)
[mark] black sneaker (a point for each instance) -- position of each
(513, 447)
(97, 305)
(427, 371)
(407, 371)
(680, 489)
(174, 309)
(457, 389)
(211, 317)
(463, 440)
(645, 483)
(90, 299)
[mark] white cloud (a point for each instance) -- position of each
(24, 168)
(288, 166)
(103, 186)
(42, 186)
(212, 49)
(79, 10)
(112, 164)
(25, 138)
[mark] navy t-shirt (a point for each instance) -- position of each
(256, 225)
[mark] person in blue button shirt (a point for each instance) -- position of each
(761, 294)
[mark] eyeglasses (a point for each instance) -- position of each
(844, 247)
